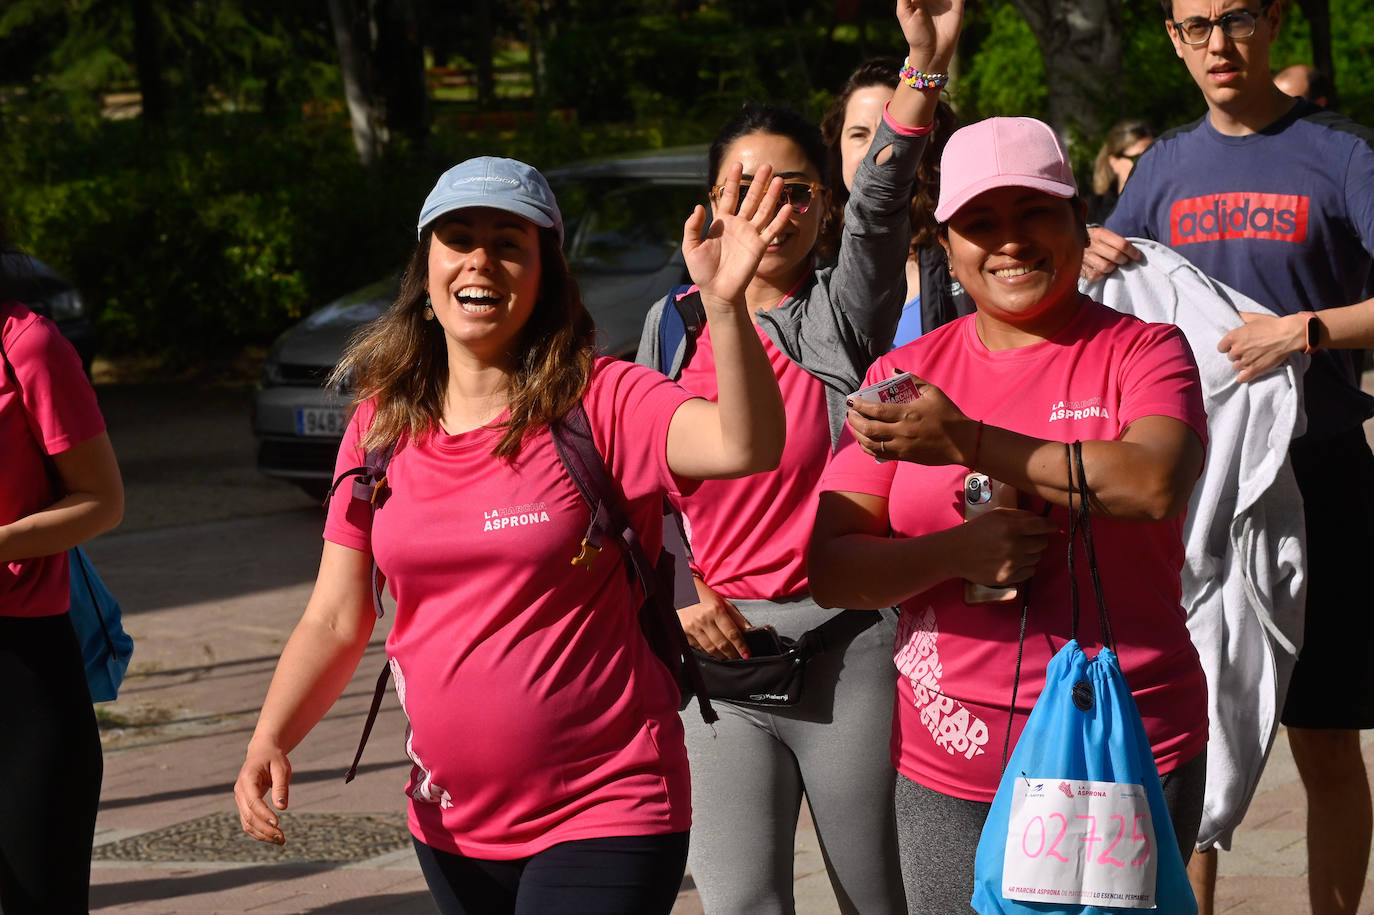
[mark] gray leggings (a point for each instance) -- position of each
(748, 779)
(939, 836)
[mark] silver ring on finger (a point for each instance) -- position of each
(882, 447)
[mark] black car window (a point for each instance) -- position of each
(619, 227)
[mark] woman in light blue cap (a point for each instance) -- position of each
(549, 767)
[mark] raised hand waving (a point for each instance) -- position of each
(723, 262)
(931, 29)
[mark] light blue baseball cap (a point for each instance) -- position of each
(502, 184)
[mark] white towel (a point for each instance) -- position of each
(1244, 579)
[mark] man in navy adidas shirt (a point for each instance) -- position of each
(1275, 197)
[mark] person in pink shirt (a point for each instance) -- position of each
(1000, 392)
(822, 325)
(549, 767)
(59, 487)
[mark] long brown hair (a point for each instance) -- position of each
(400, 361)
(883, 71)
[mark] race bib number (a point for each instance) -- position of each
(1078, 842)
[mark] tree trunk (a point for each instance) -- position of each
(482, 52)
(798, 52)
(382, 63)
(1318, 15)
(400, 66)
(534, 26)
(148, 64)
(352, 35)
(1080, 41)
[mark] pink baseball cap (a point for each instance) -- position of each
(1002, 152)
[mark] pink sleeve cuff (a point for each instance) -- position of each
(902, 129)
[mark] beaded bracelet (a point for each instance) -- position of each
(921, 81)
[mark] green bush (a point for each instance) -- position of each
(198, 241)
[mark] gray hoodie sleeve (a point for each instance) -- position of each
(849, 316)
(648, 338)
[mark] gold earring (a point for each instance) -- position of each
(428, 311)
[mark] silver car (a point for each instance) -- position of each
(623, 219)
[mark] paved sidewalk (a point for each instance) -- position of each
(211, 604)
(168, 841)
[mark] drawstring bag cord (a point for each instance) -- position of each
(1080, 522)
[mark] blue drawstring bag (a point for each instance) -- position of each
(1084, 752)
(95, 614)
(1064, 742)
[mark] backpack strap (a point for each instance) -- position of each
(382, 679)
(679, 325)
(572, 437)
(370, 486)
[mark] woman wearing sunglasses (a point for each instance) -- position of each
(821, 329)
(1125, 143)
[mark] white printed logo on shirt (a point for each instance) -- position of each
(425, 790)
(951, 725)
(1078, 409)
(498, 519)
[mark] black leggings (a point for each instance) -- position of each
(620, 875)
(50, 772)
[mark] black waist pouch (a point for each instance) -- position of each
(771, 680)
(775, 680)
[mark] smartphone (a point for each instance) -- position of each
(900, 388)
(762, 641)
(981, 493)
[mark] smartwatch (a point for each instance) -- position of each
(1314, 332)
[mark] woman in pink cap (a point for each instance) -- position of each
(550, 773)
(1037, 365)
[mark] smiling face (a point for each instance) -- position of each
(787, 256)
(484, 273)
(1233, 73)
(862, 113)
(1017, 252)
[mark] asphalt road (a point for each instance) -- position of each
(187, 456)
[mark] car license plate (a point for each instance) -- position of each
(322, 421)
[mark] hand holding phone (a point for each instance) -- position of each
(762, 641)
(982, 494)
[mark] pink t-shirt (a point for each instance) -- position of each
(749, 535)
(957, 661)
(538, 713)
(59, 411)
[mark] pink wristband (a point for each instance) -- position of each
(902, 129)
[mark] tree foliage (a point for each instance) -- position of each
(236, 201)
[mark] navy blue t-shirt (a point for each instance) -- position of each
(1285, 215)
